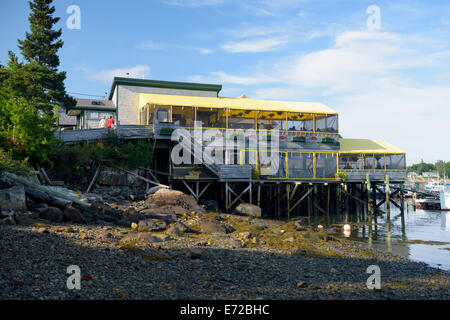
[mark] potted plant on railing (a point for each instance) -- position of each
(299, 138)
(341, 176)
(327, 139)
(167, 131)
(256, 175)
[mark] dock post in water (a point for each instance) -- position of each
(288, 193)
(387, 191)
(346, 202)
(369, 206)
(402, 198)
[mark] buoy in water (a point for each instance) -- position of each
(347, 227)
(347, 233)
(320, 226)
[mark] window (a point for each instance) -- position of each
(95, 115)
(249, 157)
(92, 115)
(326, 123)
(144, 115)
(272, 164)
(211, 117)
(299, 122)
(183, 116)
(232, 156)
(350, 162)
(162, 115)
(395, 161)
(374, 162)
(325, 165)
(301, 165)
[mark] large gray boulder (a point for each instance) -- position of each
(166, 197)
(249, 210)
(13, 199)
(52, 214)
(150, 225)
(111, 177)
(145, 238)
(178, 228)
(207, 226)
(8, 221)
(72, 214)
(161, 214)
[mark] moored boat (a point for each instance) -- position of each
(444, 196)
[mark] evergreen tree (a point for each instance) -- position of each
(37, 79)
(31, 90)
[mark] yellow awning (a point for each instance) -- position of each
(234, 103)
(368, 146)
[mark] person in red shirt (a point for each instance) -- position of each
(110, 122)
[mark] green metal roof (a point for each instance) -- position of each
(163, 84)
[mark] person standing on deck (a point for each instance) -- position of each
(110, 122)
(102, 123)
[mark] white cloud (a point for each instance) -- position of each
(359, 60)
(410, 117)
(227, 78)
(382, 84)
(222, 77)
(139, 71)
(254, 45)
(150, 45)
(203, 50)
(193, 3)
(445, 21)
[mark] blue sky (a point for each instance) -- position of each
(392, 83)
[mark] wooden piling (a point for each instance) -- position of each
(288, 192)
(369, 206)
(259, 195)
(402, 198)
(388, 193)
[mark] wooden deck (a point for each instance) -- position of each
(216, 172)
(91, 135)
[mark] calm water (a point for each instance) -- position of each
(417, 226)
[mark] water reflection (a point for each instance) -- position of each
(408, 235)
(445, 221)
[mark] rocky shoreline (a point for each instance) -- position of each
(167, 246)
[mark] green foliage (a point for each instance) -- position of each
(443, 168)
(256, 175)
(30, 91)
(421, 167)
(42, 44)
(76, 160)
(38, 79)
(341, 175)
(8, 164)
(25, 131)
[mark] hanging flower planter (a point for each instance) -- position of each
(299, 138)
(327, 140)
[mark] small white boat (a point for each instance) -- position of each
(434, 186)
(444, 197)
